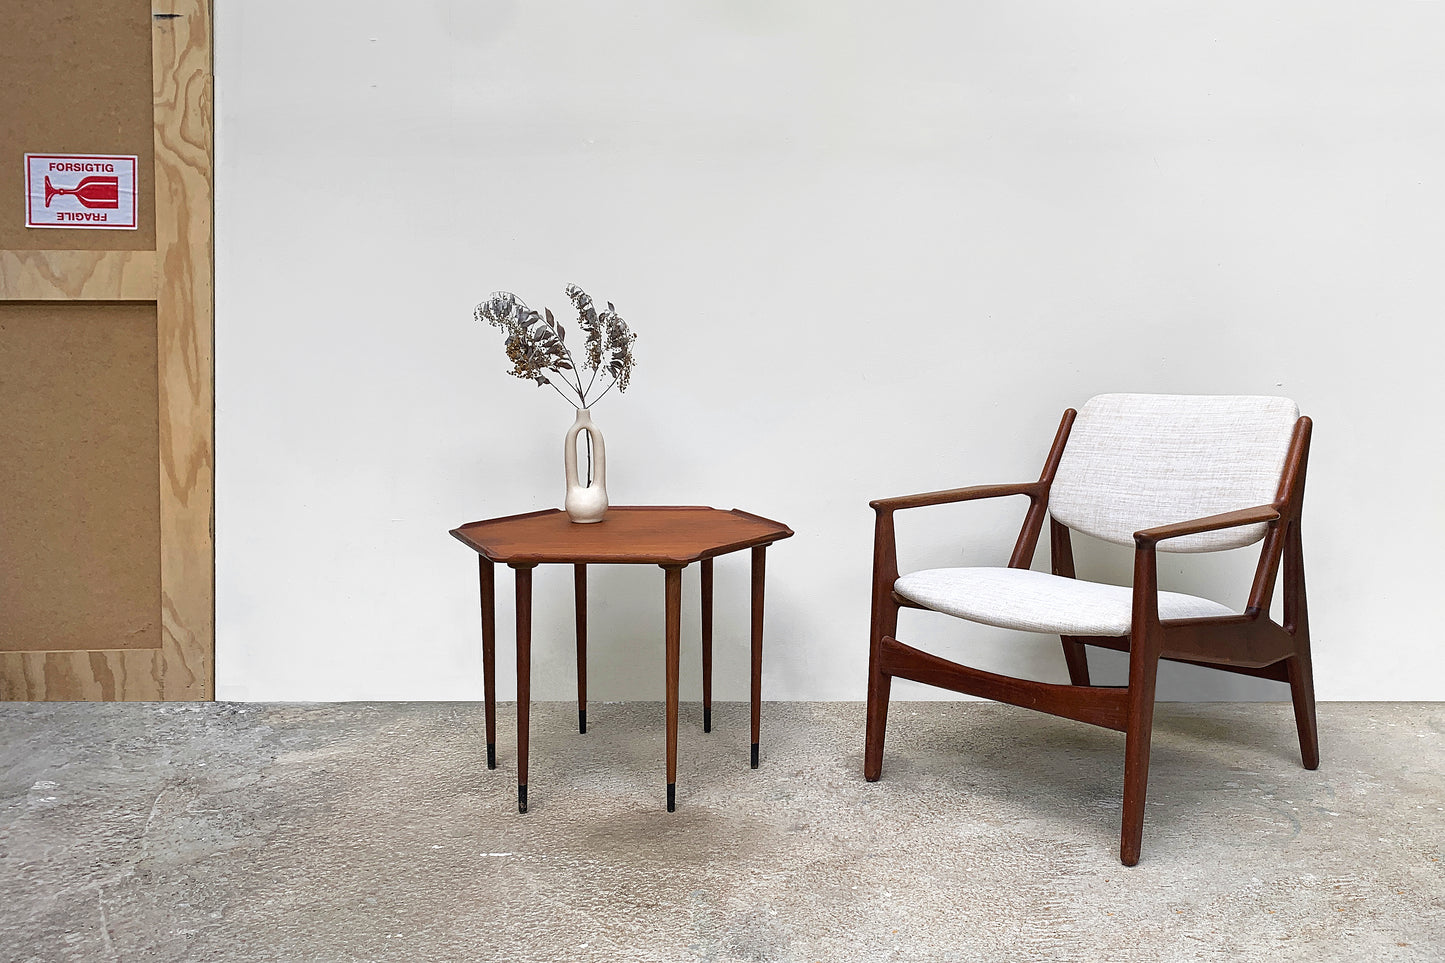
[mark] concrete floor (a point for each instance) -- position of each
(375, 832)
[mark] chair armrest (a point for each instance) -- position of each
(885, 552)
(1209, 523)
(1146, 558)
(1032, 489)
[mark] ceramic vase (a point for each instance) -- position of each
(586, 502)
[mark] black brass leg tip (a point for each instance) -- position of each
(521, 798)
(491, 755)
(707, 719)
(672, 797)
(582, 721)
(755, 755)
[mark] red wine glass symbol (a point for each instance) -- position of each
(91, 192)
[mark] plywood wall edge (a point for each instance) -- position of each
(77, 275)
(185, 330)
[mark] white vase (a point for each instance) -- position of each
(585, 503)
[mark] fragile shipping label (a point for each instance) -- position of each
(81, 190)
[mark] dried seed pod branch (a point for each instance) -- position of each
(536, 344)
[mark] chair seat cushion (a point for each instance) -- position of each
(1014, 598)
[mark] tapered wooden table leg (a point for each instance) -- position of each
(579, 592)
(707, 645)
(673, 584)
(488, 577)
(524, 676)
(759, 558)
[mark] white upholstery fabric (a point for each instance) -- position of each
(1014, 598)
(1137, 461)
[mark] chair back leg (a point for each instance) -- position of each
(1299, 666)
(1302, 692)
(1076, 656)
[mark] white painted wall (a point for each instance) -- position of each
(870, 249)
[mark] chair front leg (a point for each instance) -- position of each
(1144, 648)
(880, 686)
(884, 622)
(1143, 672)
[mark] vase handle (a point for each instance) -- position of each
(599, 455)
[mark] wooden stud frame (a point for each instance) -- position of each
(178, 276)
(1250, 643)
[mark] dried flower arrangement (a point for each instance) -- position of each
(536, 345)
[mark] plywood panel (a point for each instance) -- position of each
(140, 72)
(119, 674)
(79, 485)
(77, 79)
(77, 275)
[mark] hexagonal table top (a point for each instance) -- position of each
(660, 535)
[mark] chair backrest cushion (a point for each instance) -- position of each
(1136, 461)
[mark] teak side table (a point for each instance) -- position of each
(671, 537)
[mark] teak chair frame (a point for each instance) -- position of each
(1250, 643)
